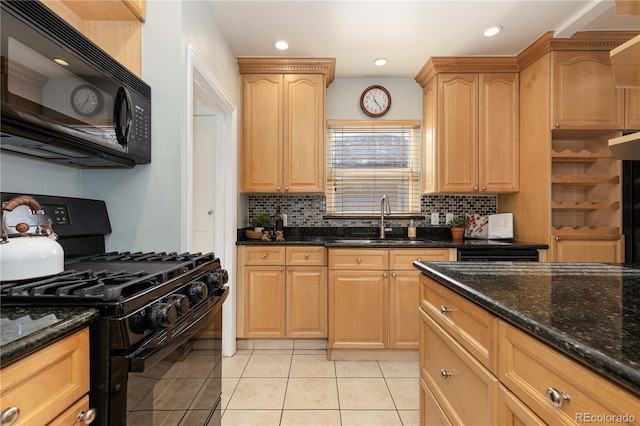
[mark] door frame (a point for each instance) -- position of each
(201, 80)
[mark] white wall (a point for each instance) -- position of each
(343, 99)
(27, 175)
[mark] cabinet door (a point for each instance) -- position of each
(404, 300)
(632, 109)
(458, 132)
(584, 92)
(513, 412)
(358, 310)
(303, 156)
(264, 301)
(499, 132)
(588, 250)
(306, 302)
(262, 133)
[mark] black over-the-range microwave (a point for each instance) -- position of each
(64, 99)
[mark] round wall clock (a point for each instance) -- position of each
(86, 100)
(375, 101)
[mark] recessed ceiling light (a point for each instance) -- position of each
(380, 61)
(61, 62)
(281, 45)
(491, 31)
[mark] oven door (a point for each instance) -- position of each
(178, 382)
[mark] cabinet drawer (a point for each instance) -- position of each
(402, 259)
(70, 416)
(46, 383)
(473, 327)
(307, 255)
(359, 259)
(530, 368)
(465, 390)
(430, 412)
(264, 255)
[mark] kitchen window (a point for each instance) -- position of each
(369, 159)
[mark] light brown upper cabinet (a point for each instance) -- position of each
(283, 124)
(470, 125)
(115, 26)
(584, 92)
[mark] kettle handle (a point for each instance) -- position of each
(12, 204)
(19, 201)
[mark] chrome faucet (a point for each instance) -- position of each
(385, 208)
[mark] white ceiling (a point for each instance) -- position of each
(404, 32)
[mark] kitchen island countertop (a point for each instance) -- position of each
(24, 330)
(588, 311)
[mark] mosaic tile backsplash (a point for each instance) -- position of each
(309, 210)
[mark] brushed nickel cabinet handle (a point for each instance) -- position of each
(264, 256)
(10, 416)
(306, 256)
(385, 275)
(445, 374)
(557, 399)
(484, 188)
(444, 310)
(358, 260)
(394, 275)
(558, 124)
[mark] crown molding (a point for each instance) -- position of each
(263, 65)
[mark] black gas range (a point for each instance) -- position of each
(154, 309)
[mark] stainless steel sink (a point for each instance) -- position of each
(384, 241)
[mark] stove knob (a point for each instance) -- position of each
(217, 279)
(180, 302)
(198, 291)
(162, 315)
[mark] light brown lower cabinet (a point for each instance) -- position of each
(51, 385)
(477, 369)
(374, 295)
(282, 292)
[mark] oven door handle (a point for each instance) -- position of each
(145, 357)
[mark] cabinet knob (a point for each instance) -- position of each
(419, 259)
(558, 238)
(87, 417)
(286, 188)
(484, 188)
(444, 310)
(385, 275)
(306, 257)
(264, 256)
(288, 269)
(358, 260)
(475, 188)
(556, 398)
(281, 269)
(279, 188)
(393, 274)
(445, 374)
(10, 416)
(558, 124)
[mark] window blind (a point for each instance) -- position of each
(369, 159)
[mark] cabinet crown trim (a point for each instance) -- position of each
(325, 66)
(583, 40)
(465, 64)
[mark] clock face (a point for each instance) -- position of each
(375, 101)
(86, 100)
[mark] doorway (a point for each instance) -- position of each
(209, 164)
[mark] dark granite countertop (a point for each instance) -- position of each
(588, 311)
(24, 330)
(429, 237)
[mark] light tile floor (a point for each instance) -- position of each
(300, 387)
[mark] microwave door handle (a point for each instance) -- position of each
(122, 109)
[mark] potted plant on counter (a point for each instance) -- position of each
(457, 225)
(258, 223)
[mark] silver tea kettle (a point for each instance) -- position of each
(26, 255)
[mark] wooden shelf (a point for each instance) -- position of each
(625, 61)
(584, 156)
(584, 206)
(586, 232)
(626, 147)
(584, 180)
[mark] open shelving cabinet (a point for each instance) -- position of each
(586, 189)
